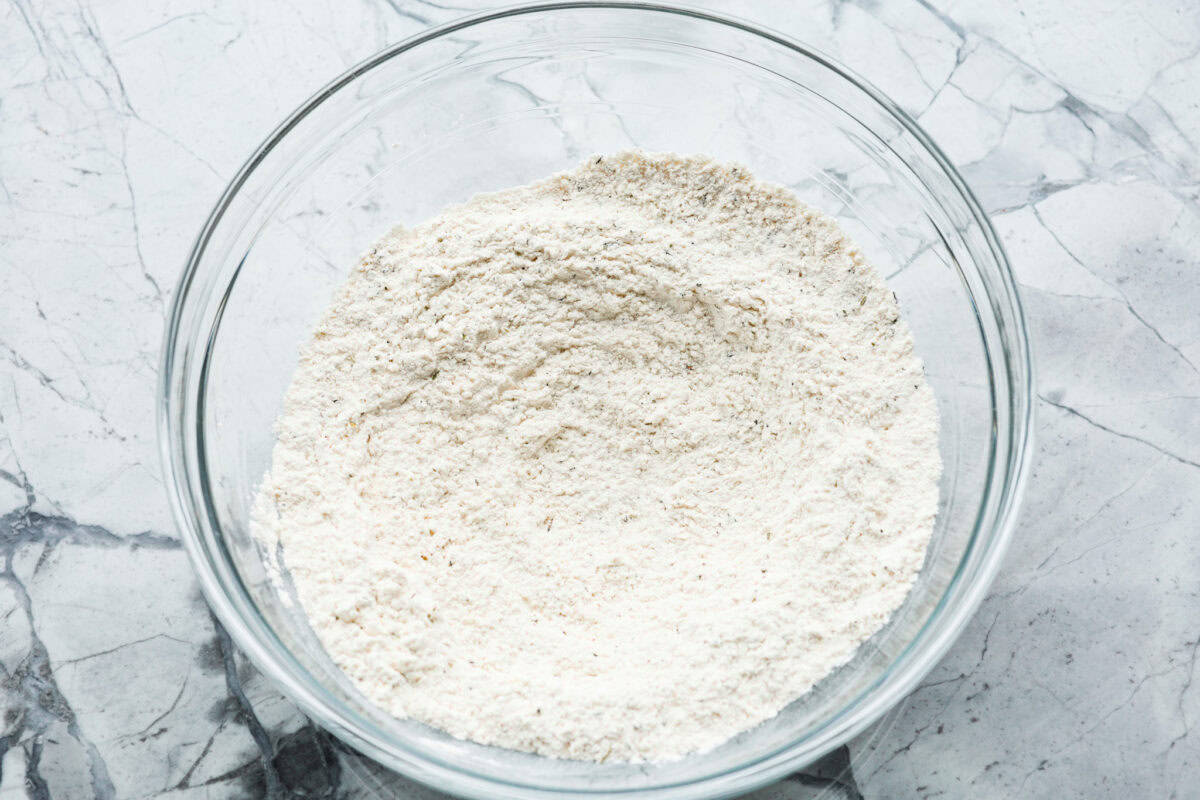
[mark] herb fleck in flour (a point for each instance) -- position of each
(609, 467)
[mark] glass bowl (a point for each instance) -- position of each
(508, 97)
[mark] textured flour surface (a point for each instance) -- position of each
(612, 467)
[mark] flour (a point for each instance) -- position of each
(609, 467)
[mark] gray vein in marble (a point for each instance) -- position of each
(1079, 414)
(38, 699)
(1124, 298)
(399, 10)
(246, 715)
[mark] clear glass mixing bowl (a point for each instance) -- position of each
(503, 99)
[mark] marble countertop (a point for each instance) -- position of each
(1077, 124)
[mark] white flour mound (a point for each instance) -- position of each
(609, 467)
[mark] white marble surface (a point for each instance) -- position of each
(1076, 122)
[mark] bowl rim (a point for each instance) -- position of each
(192, 509)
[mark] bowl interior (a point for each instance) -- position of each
(508, 100)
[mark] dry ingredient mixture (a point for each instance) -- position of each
(612, 467)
